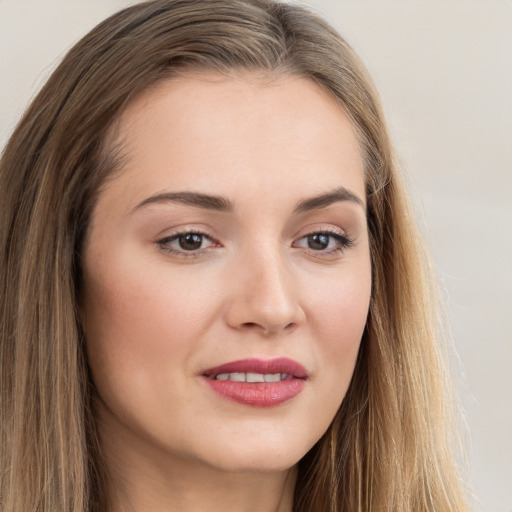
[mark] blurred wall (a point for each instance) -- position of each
(444, 70)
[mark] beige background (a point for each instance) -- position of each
(444, 69)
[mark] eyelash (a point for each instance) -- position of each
(343, 243)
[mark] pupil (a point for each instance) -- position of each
(190, 241)
(318, 241)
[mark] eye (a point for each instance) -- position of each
(187, 243)
(324, 242)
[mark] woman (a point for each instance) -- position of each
(213, 294)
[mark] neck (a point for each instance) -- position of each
(190, 487)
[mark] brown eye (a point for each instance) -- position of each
(186, 243)
(190, 241)
(324, 242)
(318, 241)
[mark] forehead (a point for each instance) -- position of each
(216, 131)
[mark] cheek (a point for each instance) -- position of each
(140, 328)
(341, 306)
(338, 315)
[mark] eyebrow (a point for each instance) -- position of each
(324, 200)
(222, 204)
(196, 199)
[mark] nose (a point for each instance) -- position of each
(264, 296)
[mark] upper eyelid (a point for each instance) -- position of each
(185, 232)
(321, 228)
(168, 233)
(203, 232)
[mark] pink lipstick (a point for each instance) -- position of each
(257, 382)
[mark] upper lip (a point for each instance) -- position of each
(254, 365)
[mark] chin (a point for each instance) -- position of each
(256, 457)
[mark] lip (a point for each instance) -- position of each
(258, 394)
(277, 365)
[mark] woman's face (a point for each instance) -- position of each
(227, 273)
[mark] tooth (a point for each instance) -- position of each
(252, 377)
(255, 377)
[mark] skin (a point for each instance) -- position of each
(155, 319)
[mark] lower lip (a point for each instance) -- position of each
(258, 394)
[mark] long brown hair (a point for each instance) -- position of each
(389, 447)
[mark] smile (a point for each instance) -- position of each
(252, 377)
(256, 382)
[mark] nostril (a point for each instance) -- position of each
(251, 325)
(268, 330)
(263, 329)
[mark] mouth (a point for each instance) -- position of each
(252, 377)
(257, 382)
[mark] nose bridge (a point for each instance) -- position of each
(270, 279)
(266, 296)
